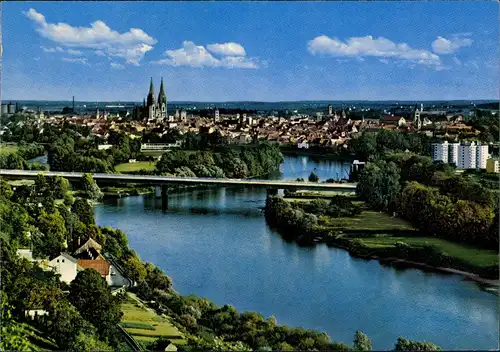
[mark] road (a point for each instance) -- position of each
(168, 180)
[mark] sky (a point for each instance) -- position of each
(250, 51)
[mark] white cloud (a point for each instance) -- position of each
(74, 52)
(457, 61)
(80, 60)
(117, 66)
(58, 49)
(449, 46)
(357, 47)
(198, 56)
(230, 49)
(131, 45)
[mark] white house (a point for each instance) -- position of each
(66, 266)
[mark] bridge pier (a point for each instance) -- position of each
(162, 192)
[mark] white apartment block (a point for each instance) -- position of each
(440, 152)
(453, 153)
(464, 155)
(467, 156)
(481, 156)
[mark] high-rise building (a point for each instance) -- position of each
(216, 115)
(467, 156)
(481, 156)
(453, 153)
(330, 110)
(464, 156)
(440, 152)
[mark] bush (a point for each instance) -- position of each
(313, 177)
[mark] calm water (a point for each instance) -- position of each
(216, 244)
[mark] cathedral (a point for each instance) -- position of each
(151, 108)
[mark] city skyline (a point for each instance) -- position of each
(268, 52)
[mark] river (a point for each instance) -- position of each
(215, 243)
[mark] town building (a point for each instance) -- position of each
(396, 121)
(66, 266)
(493, 165)
(100, 265)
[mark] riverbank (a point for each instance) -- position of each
(374, 235)
(399, 262)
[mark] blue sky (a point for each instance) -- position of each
(256, 51)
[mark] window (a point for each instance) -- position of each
(58, 260)
(63, 260)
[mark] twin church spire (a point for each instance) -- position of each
(154, 109)
(162, 97)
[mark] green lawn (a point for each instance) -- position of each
(368, 220)
(140, 165)
(8, 148)
(475, 256)
(144, 324)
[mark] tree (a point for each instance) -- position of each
(379, 184)
(134, 267)
(313, 177)
(361, 342)
(92, 297)
(49, 240)
(84, 211)
(59, 186)
(5, 189)
(90, 188)
(404, 344)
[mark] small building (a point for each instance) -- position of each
(66, 266)
(104, 146)
(394, 120)
(100, 265)
(493, 165)
(89, 250)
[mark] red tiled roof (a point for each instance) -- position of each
(99, 265)
(391, 118)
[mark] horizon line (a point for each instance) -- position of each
(257, 101)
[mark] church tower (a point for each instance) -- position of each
(151, 103)
(417, 122)
(162, 102)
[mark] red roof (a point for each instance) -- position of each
(99, 265)
(391, 118)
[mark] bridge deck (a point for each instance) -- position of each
(165, 180)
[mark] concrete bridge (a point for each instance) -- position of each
(162, 182)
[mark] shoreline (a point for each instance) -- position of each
(393, 261)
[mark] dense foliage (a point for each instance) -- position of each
(371, 146)
(248, 162)
(433, 198)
